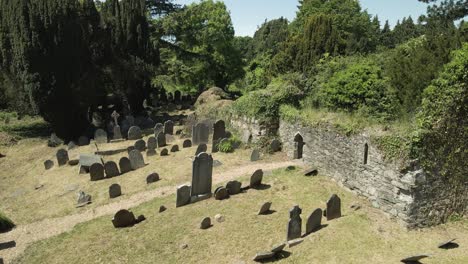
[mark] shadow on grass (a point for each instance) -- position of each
(7, 245)
(314, 231)
(29, 130)
(278, 256)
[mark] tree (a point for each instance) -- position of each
(387, 39)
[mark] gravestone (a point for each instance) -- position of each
(263, 256)
(256, 179)
(169, 127)
(202, 173)
(136, 159)
(54, 141)
(62, 157)
(117, 133)
(158, 128)
(255, 155)
(115, 116)
(295, 223)
(152, 143)
(111, 169)
(73, 162)
(151, 153)
(221, 193)
(200, 134)
(130, 148)
(125, 165)
(187, 143)
(314, 221)
(123, 218)
(265, 209)
(115, 191)
(200, 149)
(219, 132)
(275, 145)
(71, 145)
(161, 139)
(233, 187)
(175, 148)
(83, 141)
(96, 172)
(48, 164)
(164, 152)
(153, 177)
(100, 136)
(83, 199)
(333, 207)
(206, 223)
(134, 133)
(86, 160)
(140, 145)
(183, 195)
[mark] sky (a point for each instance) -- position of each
(247, 15)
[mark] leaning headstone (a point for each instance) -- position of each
(153, 177)
(314, 221)
(169, 127)
(161, 140)
(83, 141)
(275, 145)
(221, 193)
(71, 145)
(200, 134)
(202, 173)
(96, 172)
(136, 159)
(123, 218)
(206, 223)
(140, 145)
(255, 155)
(183, 195)
(333, 207)
(414, 259)
(164, 152)
(233, 187)
(187, 143)
(162, 208)
(158, 128)
(262, 256)
(152, 143)
(175, 148)
(125, 165)
(200, 149)
(48, 164)
(54, 141)
(449, 244)
(115, 190)
(134, 133)
(265, 209)
(62, 157)
(100, 136)
(256, 179)
(83, 199)
(295, 223)
(111, 169)
(311, 172)
(219, 132)
(278, 248)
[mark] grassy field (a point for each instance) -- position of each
(363, 236)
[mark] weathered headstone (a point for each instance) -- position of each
(333, 207)
(100, 136)
(152, 143)
(123, 218)
(115, 190)
(255, 155)
(115, 116)
(151, 153)
(265, 209)
(158, 128)
(73, 162)
(183, 195)
(125, 165)
(278, 248)
(187, 143)
(111, 169)
(83, 141)
(202, 173)
(140, 145)
(136, 159)
(256, 179)
(62, 157)
(162, 208)
(134, 133)
(71, 145)
(262, 256)
(153, 177)
(48, 164)
(221, 193)
(54, 141)
(96, 172)
(169, 127)
(311, 172)
(295, 223)
(200, 134)
(86, 160)
(201, 148)
(83, 199)
(205, 223)
(275, 145)
(233, 187)
(219, 132)
(161, 139)
(164, 152)
(117, 133)
(175, 148)
(314, 221)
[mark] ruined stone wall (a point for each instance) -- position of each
(250, 129)
(410, 195)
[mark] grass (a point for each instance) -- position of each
(14, 130)
(363, 236)
(5, 223)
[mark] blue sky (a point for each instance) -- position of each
(248, 14)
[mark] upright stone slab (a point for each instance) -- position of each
(314, 221)
(136, 159)
(183, 195)
(202, 173)
(125, 165)
(111, 169)
(255, 156)
(123, 218)
(169, 127)
(158, 128)
(161, 139)
(200, 134)
(115, 191)
(100, 136)
(153, 177)
(256, 179)
(333, 207)
(187, 143)
(205, 223)
(152, 143)
(117, 133)
(96, 172)
(86, 160)
(219, 132)
(295, 223)
(48, 164)
(200, 149)
(234, 187)
(140, 145)
(175, 148)
(83, 141)
(221, 193)
(134, 133)
(265, 209)
(164, 152)
(62, 157)
(275, 145)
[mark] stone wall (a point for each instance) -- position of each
(250, 129)
(410, 195)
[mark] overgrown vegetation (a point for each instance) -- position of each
(229, 145)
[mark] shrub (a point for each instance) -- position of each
(5, 223)
(229, 145)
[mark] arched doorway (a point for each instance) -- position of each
(298, 146)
